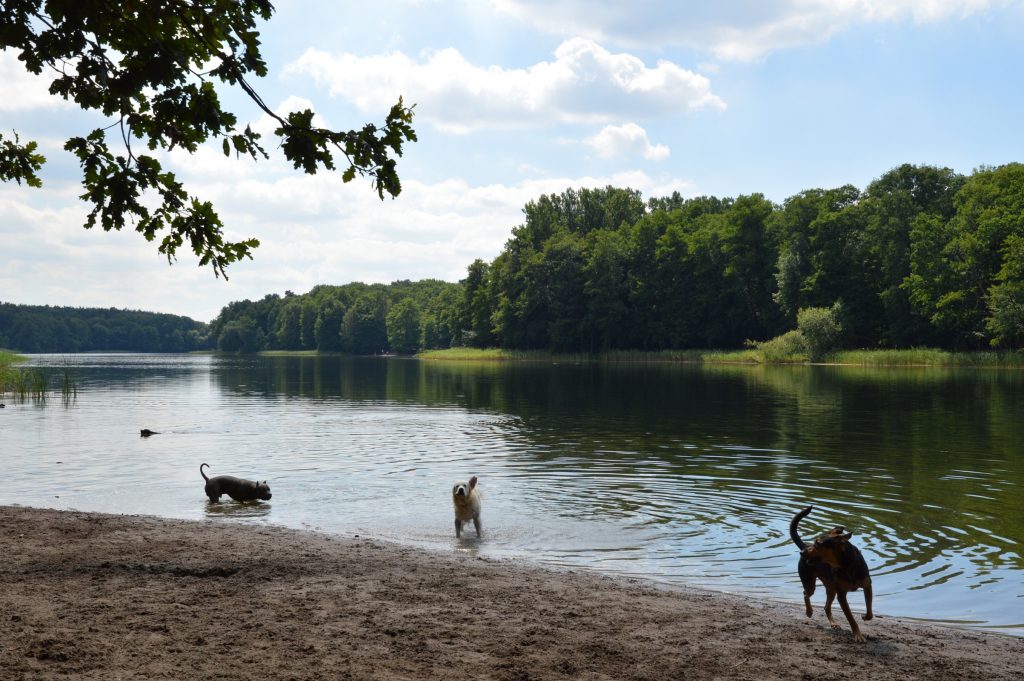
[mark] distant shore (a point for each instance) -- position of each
(918, 357)
(94, 596)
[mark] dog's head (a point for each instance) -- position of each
(263, 491)
(828, 547)
(462, 490)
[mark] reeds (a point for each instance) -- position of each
(929, 357)
(785, 349)
(68, 383)
(26, 382)
(34, 382)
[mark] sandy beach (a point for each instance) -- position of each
(93, 596)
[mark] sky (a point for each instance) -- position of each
(515, 99)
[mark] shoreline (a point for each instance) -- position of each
(98, 596)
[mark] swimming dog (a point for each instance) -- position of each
(146, 432)
(238, 489)
(466, 499)
(840, 567)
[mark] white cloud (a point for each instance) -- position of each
(626, 140)
(738, 30)
(585, 83)
(24, 91)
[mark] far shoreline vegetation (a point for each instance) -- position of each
(924, 267)
(916, 357)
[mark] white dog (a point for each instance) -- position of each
(466, 499)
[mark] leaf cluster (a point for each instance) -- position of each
(152, 68)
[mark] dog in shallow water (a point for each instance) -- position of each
(238, 489)
(466, 499)
(840, 567)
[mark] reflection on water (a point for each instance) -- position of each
(238, 509)
(683, 474)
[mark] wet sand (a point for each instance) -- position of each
(94, 596)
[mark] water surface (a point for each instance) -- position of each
(676, 473)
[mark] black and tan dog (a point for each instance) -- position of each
(840, 567)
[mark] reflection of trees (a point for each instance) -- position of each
(937, 445)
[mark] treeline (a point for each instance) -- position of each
(922, 257)
(356, 318)
(42, 328)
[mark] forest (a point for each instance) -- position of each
(42, 328)
(922, 257)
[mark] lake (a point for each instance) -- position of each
(680, 474)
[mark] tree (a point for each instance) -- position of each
(820, 329)
(403, 326)
(476, 305)
(328, 326)
(892, 203)
(241, 335)
(151, 69)
(364, 329)
(289, 327)
(965, 270)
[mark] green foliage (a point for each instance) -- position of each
(151, 68)
(924, 258)
(20, 162)
(788, 348)
(38, 328)
(364, 327)
(819, 330)
(241, 336)
(965, 273)
(328, 329)
(403, 327)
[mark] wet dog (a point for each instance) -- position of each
(146, 432)
(840, 567)
(466, 499)
(238, 489)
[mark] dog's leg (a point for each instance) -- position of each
(809, 580)
(867, 600)
(458, 528)
(831, 591)
(476, 524)
(857, 636)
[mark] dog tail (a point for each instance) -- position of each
(202, 473)
(793, 533)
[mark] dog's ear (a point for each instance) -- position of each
(472, 482)
(846, 537)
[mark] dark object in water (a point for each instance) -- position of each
(146, 432)
(238, 489)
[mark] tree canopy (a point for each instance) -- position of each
(152, 69)
(923, 257)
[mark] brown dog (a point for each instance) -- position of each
(840, 567)
(466, 499)
(238, 489)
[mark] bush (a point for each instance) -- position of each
(820, 329)
(789, 347)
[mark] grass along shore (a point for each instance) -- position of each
(868, 358)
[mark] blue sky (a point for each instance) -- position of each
(517, 98)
